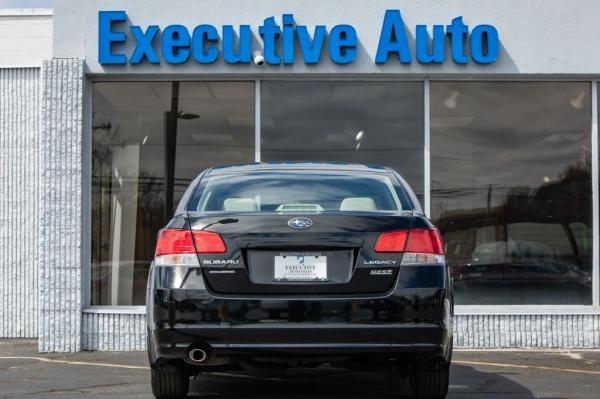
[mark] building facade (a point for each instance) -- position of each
(488, 108)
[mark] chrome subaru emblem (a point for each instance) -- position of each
(300, 223)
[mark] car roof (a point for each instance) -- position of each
(283, 166)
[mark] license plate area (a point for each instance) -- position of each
(300, 267)
(261, 266)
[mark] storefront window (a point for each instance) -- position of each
(377, 123)
(149, 140)
(511, 189)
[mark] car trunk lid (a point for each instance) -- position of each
(333, 256)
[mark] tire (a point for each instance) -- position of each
(430, 383)
(169, 382)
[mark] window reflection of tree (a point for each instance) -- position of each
(150, 210)
(565, 203)
(104, 135)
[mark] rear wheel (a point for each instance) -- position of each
(169, 381)
(430, 382)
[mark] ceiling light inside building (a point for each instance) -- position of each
(577, 102)
(187, 115)
(450, 101)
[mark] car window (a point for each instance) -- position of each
(297, 192)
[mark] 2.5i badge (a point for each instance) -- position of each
(381, 272)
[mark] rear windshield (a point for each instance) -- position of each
(299, 192)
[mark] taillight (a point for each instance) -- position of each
(420, 246)
(174, 242)
(208, 242)
(425, 241)
(392, 241)
(178, 247)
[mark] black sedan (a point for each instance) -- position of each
(267, 266)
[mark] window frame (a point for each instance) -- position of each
(594, 308)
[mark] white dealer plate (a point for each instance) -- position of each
(300, 267)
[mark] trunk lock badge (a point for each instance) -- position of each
(300, 223)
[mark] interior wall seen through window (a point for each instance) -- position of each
(149, 140)
(375, 123)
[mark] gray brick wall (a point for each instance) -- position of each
(19, 153)
(60, 197)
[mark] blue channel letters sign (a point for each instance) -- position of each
(205, 44)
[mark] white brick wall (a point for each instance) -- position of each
(19, 165)
(113, 331)
(527, 331)
(25, 37)
(60, 202)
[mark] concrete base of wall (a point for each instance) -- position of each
(534, 330)
(113, 332)
(124, 332)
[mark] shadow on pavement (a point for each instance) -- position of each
(466, 381)
(322, 383)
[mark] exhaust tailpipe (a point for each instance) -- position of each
(202, 355)
(197, 355)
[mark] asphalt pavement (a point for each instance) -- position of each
(24, 373)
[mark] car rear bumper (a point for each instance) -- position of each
(293, 340)
(389, 328)
(400, 322)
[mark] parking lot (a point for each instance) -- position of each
(475, 374)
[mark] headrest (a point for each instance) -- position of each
(240, 205)
(358, 204)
